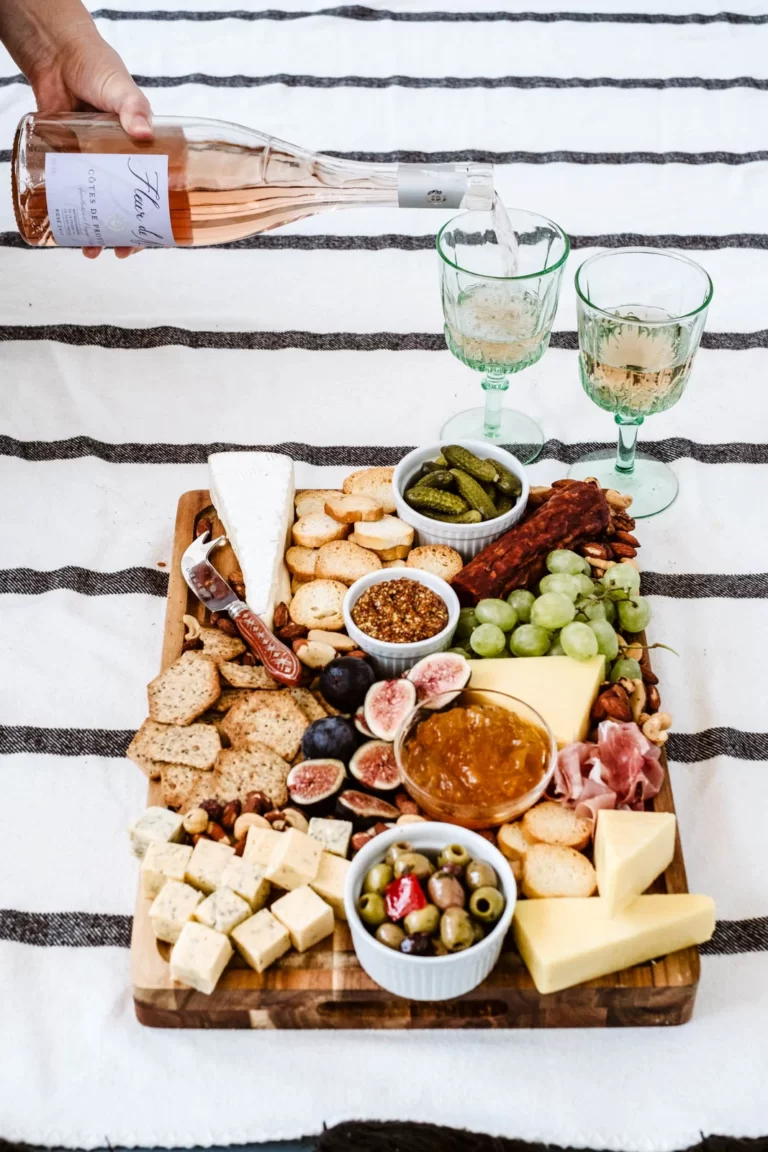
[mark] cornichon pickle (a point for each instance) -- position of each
(504, 503)
(433, 500)
(474, 495)
(441, 478)
(506, 481)
(433, 466)
(459, 457)
(471, 517)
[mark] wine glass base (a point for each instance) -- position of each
(517, 432)
(652, 485)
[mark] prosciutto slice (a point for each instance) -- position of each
(622, 770)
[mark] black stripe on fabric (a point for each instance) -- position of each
(350, 455)
(480, 156)
(104, 930)
(683, 747)
(150, 582)
(403, 243)
(112, 336)
(361, 12)
(527, 83)
(128, 581)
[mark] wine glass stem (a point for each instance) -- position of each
(495, 385)
(625, 449)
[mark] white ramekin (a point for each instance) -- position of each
(428, 977)
(391, 660)
(467, 539)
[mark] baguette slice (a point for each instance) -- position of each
(316, 529)
(313, 500)
(513, 841)
(553, 823)
(318, 605)
(551, 870)
(301, 562)
(394, 563)
(349, 508)
(438, 559)
(344, 561)
(384, 535)
(373, 482)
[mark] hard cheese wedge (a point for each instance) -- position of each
(567, 941)
(253, 493)
(560, 689)
(631, 850)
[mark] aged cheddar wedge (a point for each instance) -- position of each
(253, 494)
(567, 941)
(560, 689)
(631, 850)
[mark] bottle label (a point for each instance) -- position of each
(103, 200)
(436, 186)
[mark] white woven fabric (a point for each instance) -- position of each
(98, 442)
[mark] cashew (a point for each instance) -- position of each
(637, 700)
(634, 652)
(616, 499)
(411, 818)
(246, 821)
(601, 565)
(655, 728)
(296, 819)
(192, 627)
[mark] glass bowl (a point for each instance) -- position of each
(484, 813)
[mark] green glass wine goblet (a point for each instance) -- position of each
(641, 313)
(499, 303)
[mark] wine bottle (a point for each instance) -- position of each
(79, 180)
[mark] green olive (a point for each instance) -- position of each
(480, 875)
(478, 930)
(439, 949)
(454, 854)
(426, 919)
(456, 930)
(377, 878)
(413, 864)
(486, 904)
(390, 934)
(396, 850)
(446, 891)
(371, 909)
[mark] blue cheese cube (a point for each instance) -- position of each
(334, 835)
(261, 940)
(294, 861)
(199, 957)
(307, 917)
(259, 844)
(329, 882)
(156, 825)
(163, 862)
(207, 863)
(172, 909)
(223, 910)
(247, 880)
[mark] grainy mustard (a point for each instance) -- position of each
(400, 612)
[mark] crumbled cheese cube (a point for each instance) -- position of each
(307, 917)
(223, 910)
(163, 862)
(329, 882)
(156, 825)
(247, 880)
(334, 835)
(294, 861)
(261, 940)
(199, 957)
(172, 908)
(207, 864)
(259, 843)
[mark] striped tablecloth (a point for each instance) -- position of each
(117, 380)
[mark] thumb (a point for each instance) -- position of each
(121, 95)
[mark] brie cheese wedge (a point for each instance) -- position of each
(253, 493)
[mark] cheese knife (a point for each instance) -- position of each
(214, 592)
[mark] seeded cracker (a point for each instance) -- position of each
(196, 745)
(241, 676)
(139, 748)
(220, 647)
(271, 718)
(185, 788)
(185, 690)
(259, 770)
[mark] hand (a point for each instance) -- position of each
(70, 67)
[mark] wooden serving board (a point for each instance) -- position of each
(326, 987)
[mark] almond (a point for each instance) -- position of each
(627, 538)
(280, 616)
(624, 550)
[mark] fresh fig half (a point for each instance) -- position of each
(442, 675)
(363, 809)
(360, 723)
(375, 766)
(387, 703)
(313, 781)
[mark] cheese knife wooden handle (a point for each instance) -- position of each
(281, 663)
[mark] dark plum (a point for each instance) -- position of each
(332, 738)
(345, 681)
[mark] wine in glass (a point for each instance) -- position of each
(641, 313)
(500, 280)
